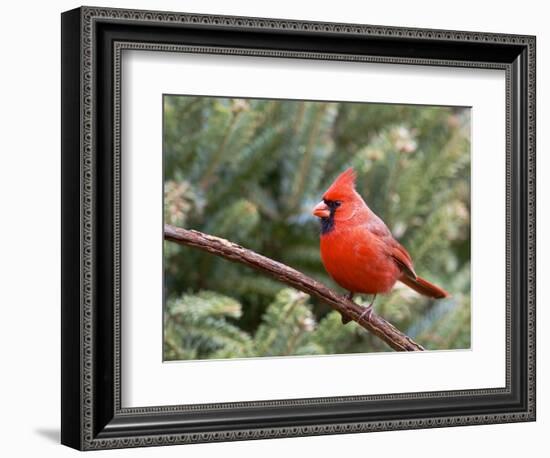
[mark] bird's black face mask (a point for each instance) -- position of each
(327, 224)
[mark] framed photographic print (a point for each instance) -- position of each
(276, 228)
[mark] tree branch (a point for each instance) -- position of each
(229, 250)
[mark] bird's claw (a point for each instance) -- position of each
(366, 313)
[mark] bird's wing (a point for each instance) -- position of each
(395, 250)
(402, 259)
(378, 227)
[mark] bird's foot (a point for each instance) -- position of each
(366, 313)
(349, 297)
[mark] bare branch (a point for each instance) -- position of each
(349, 309)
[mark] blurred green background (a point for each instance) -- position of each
(251, 170)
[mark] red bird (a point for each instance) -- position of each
(358, 250)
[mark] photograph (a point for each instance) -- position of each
(372, 200)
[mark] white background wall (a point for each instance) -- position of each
(30, 240)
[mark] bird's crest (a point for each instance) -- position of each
(343, 186)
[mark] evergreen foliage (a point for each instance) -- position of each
(251, 170)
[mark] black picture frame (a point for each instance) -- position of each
(92, 416)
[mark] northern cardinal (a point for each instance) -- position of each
(359, 251)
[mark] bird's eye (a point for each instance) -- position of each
(332, 203)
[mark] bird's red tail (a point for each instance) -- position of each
(424, 287)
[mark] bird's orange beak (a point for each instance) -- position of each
(321, 210)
